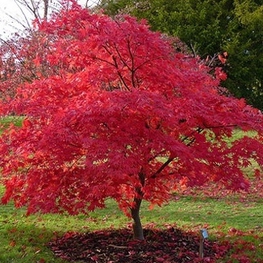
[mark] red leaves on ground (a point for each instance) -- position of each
(12, 243)
(170, 245)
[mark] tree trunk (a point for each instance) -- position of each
(46, 5)
(137, 226)
(135, 211)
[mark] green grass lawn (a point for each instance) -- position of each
(24, 238)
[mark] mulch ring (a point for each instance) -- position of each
(160, 245)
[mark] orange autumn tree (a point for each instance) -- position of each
(124, 116)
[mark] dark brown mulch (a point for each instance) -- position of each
(112, 246)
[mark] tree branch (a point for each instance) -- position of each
(170, 159)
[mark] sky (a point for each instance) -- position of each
(12, 18)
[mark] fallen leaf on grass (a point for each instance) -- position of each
(12, 243)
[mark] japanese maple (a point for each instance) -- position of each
(121, 115)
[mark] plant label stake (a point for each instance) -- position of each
(203, 236)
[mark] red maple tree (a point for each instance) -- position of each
(121, 115)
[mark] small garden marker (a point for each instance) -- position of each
(203, 236)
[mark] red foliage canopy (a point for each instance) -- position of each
(121, 115)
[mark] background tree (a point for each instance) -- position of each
(35, 6)
(20, 19)
(210, 27)
(23, 56)
(124, 117)
(245, 46)
(23, 59)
